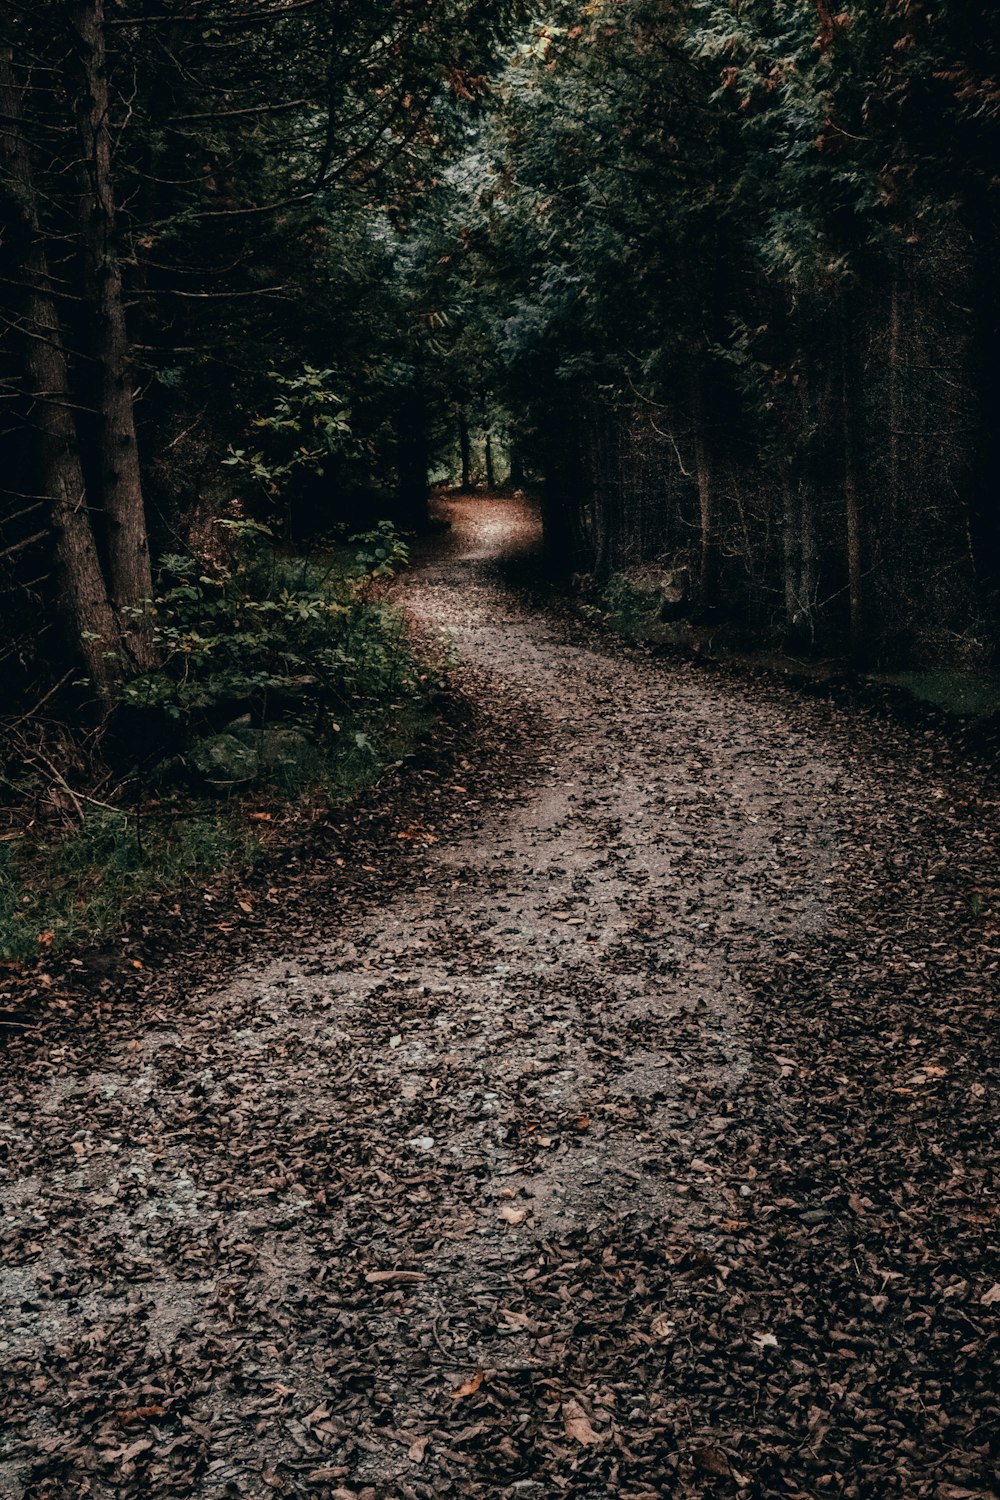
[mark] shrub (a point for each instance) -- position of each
(291, 672)
(268, 661)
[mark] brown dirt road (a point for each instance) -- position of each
(631, 1149)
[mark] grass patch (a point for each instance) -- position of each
(952, 692)
(75, 890)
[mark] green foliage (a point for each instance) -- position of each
(306, 427)
(297, 641)
(381, 551)
(283, 674)
(65, 891)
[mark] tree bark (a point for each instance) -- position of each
(465, 448)
(82, 589)
(901, 268)
(491, 478)
(850, 394)
(567, 489)
(984, 477)
(413, 460)
(604, 497)
(790, 543)
(709, 559)
(118, 466)
(809, 573)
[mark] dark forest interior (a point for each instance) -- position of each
(499, 707)
(718, 282)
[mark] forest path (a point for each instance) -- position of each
(451, 1204)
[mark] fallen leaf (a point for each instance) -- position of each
(394, 1278)
(577, 1424)
(515, 1320)
(128, 1454)
(993, 1295)
(139, 1414)
(468, 1387)
(417, 1448)
(713, 1461)
(512, 1215)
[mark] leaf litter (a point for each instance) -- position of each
(709, 1200)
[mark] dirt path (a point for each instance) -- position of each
(518, 1186)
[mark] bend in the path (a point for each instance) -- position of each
(288, 1221)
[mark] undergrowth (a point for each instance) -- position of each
(642, 609)
(279, 681)
(75, 889)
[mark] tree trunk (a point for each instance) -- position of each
(491, 478)
(809, 550)
(412, 460)
(850, 395)
(984, 477)
(604, 497)
(117, 453)
(901, 268)
(790, 543)
(709, 559)
(82, 591)
(567, 489)
(465, 448)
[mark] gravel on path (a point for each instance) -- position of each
(640, 1143)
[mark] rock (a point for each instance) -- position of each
(661, 591)
(280, 746)
(241, 754)
(224, 760)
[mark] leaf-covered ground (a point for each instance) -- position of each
(612, 1114)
